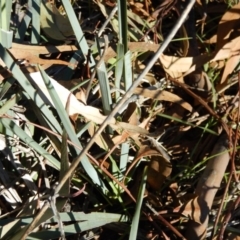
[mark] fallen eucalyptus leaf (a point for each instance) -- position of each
(75, 106)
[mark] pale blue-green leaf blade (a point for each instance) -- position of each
(135, 221)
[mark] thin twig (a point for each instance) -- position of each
(205, 105)
(32, 225)
(224, 223)
(56, 214)
(165, 221)
(233, 173)
(228, 217)
(80, 148)
(127, 95)
(107, 20)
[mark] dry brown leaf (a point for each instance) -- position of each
(131, 129)
(176, 66)
(227, 24)
(190, 210)
(81, 96)
(138, 8)
(233, 236)
(133, 47)
(159, 94)
(121, 138)
(89, 112)
(159, 169)
(36, 50)
(102, 140)
(31, 53)
(144, 151)
(174, 187)
(143, 46)
(229, 67)
(208, 185)
(130, 115)
(211, 40)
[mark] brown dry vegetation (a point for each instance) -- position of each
(78, 162)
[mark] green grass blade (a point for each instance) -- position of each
(12, 126)
(21, 31)
(24, 82)
(187, 123)
(47, 215)
(95, 220)
(10, 228)
(127, 70)
(7, 85)
(119, 68)
(83, 129)
(123, 25)
(10, 103)
(135, 221)
(124, 157)
(72, 135)
(5, 14)
(64, 165)
(77, 30)
(35, 37)
(105, 88)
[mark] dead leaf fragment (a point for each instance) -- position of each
(190, 210)
(103, 140)
(89, 112)
(159, 169)
(178, 67)
(227, 24)
(131, 128)
(31, 53)
(229, 67)
(144, 151)
(208, 186)
(159, 94)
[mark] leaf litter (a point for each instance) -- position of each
(182, 122)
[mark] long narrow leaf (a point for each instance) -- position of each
(119, 68)
(94, 220)
(105, 88)
(135, 221)
(5, 11)
(77, 30)
(35, 37)
(24, 82)
(127, 71)
(10, 103)
(124, 157)
(12, 126)
(123, 26)
(72, 135)
(21, 31)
